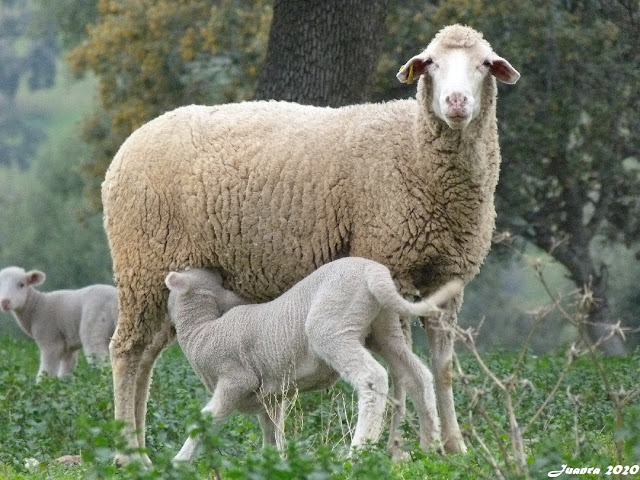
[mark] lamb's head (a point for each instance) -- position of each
(197, 289)
(457, 62)
(15, 284)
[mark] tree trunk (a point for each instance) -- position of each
(575, 256)
(322, 52)
(600, 318)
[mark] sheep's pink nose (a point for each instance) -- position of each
(5, 303)
(456, 101)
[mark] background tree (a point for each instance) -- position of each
(28, 51)
(323, 53)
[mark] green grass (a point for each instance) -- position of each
(75, 416)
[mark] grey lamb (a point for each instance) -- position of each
(61, 322)
(303, 340)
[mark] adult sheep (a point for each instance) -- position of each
(269, 191)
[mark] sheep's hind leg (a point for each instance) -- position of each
(162, 338)
(358, 367)
(389, 341)
(271, 419)
(398, 412)
(398, 402)
(441, 352)
(68, 363)
(126, 369)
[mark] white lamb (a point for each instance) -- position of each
(61, 322)
(304, 340)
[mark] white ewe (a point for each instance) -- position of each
(270, 191)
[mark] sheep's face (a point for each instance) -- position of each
(14, 286)
(457, 62)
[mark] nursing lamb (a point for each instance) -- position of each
(270, 191)
(304, 340)
(61, 322)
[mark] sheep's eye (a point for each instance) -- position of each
(21, 284)
(487, 63)
(428, 61)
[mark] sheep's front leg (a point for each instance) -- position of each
(227, 395)
(50, 358)
(441, 340)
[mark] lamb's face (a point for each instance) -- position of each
(192, 290)
(457, 63)
(14, 286)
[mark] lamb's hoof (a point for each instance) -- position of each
(122, 459)
(455, 445)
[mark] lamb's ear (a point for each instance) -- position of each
(415, 67)
(503, 71)
(35, 277)
(176, 282)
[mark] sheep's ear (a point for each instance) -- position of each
(503, 71)
(176, 282)
(415, 67)
(35, 277)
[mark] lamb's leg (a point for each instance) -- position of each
(96, 353)
(356, 365)
(399, 401)
(68, 363)
(441, 352)
(226, 396)
(409, 370)
(271, 420)
(50, 357)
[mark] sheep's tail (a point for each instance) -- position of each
(381, 286)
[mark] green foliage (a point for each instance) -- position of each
(28, 52)
(74, 416)
(42, 224)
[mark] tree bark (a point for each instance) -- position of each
(322, 52)
(576, 258)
